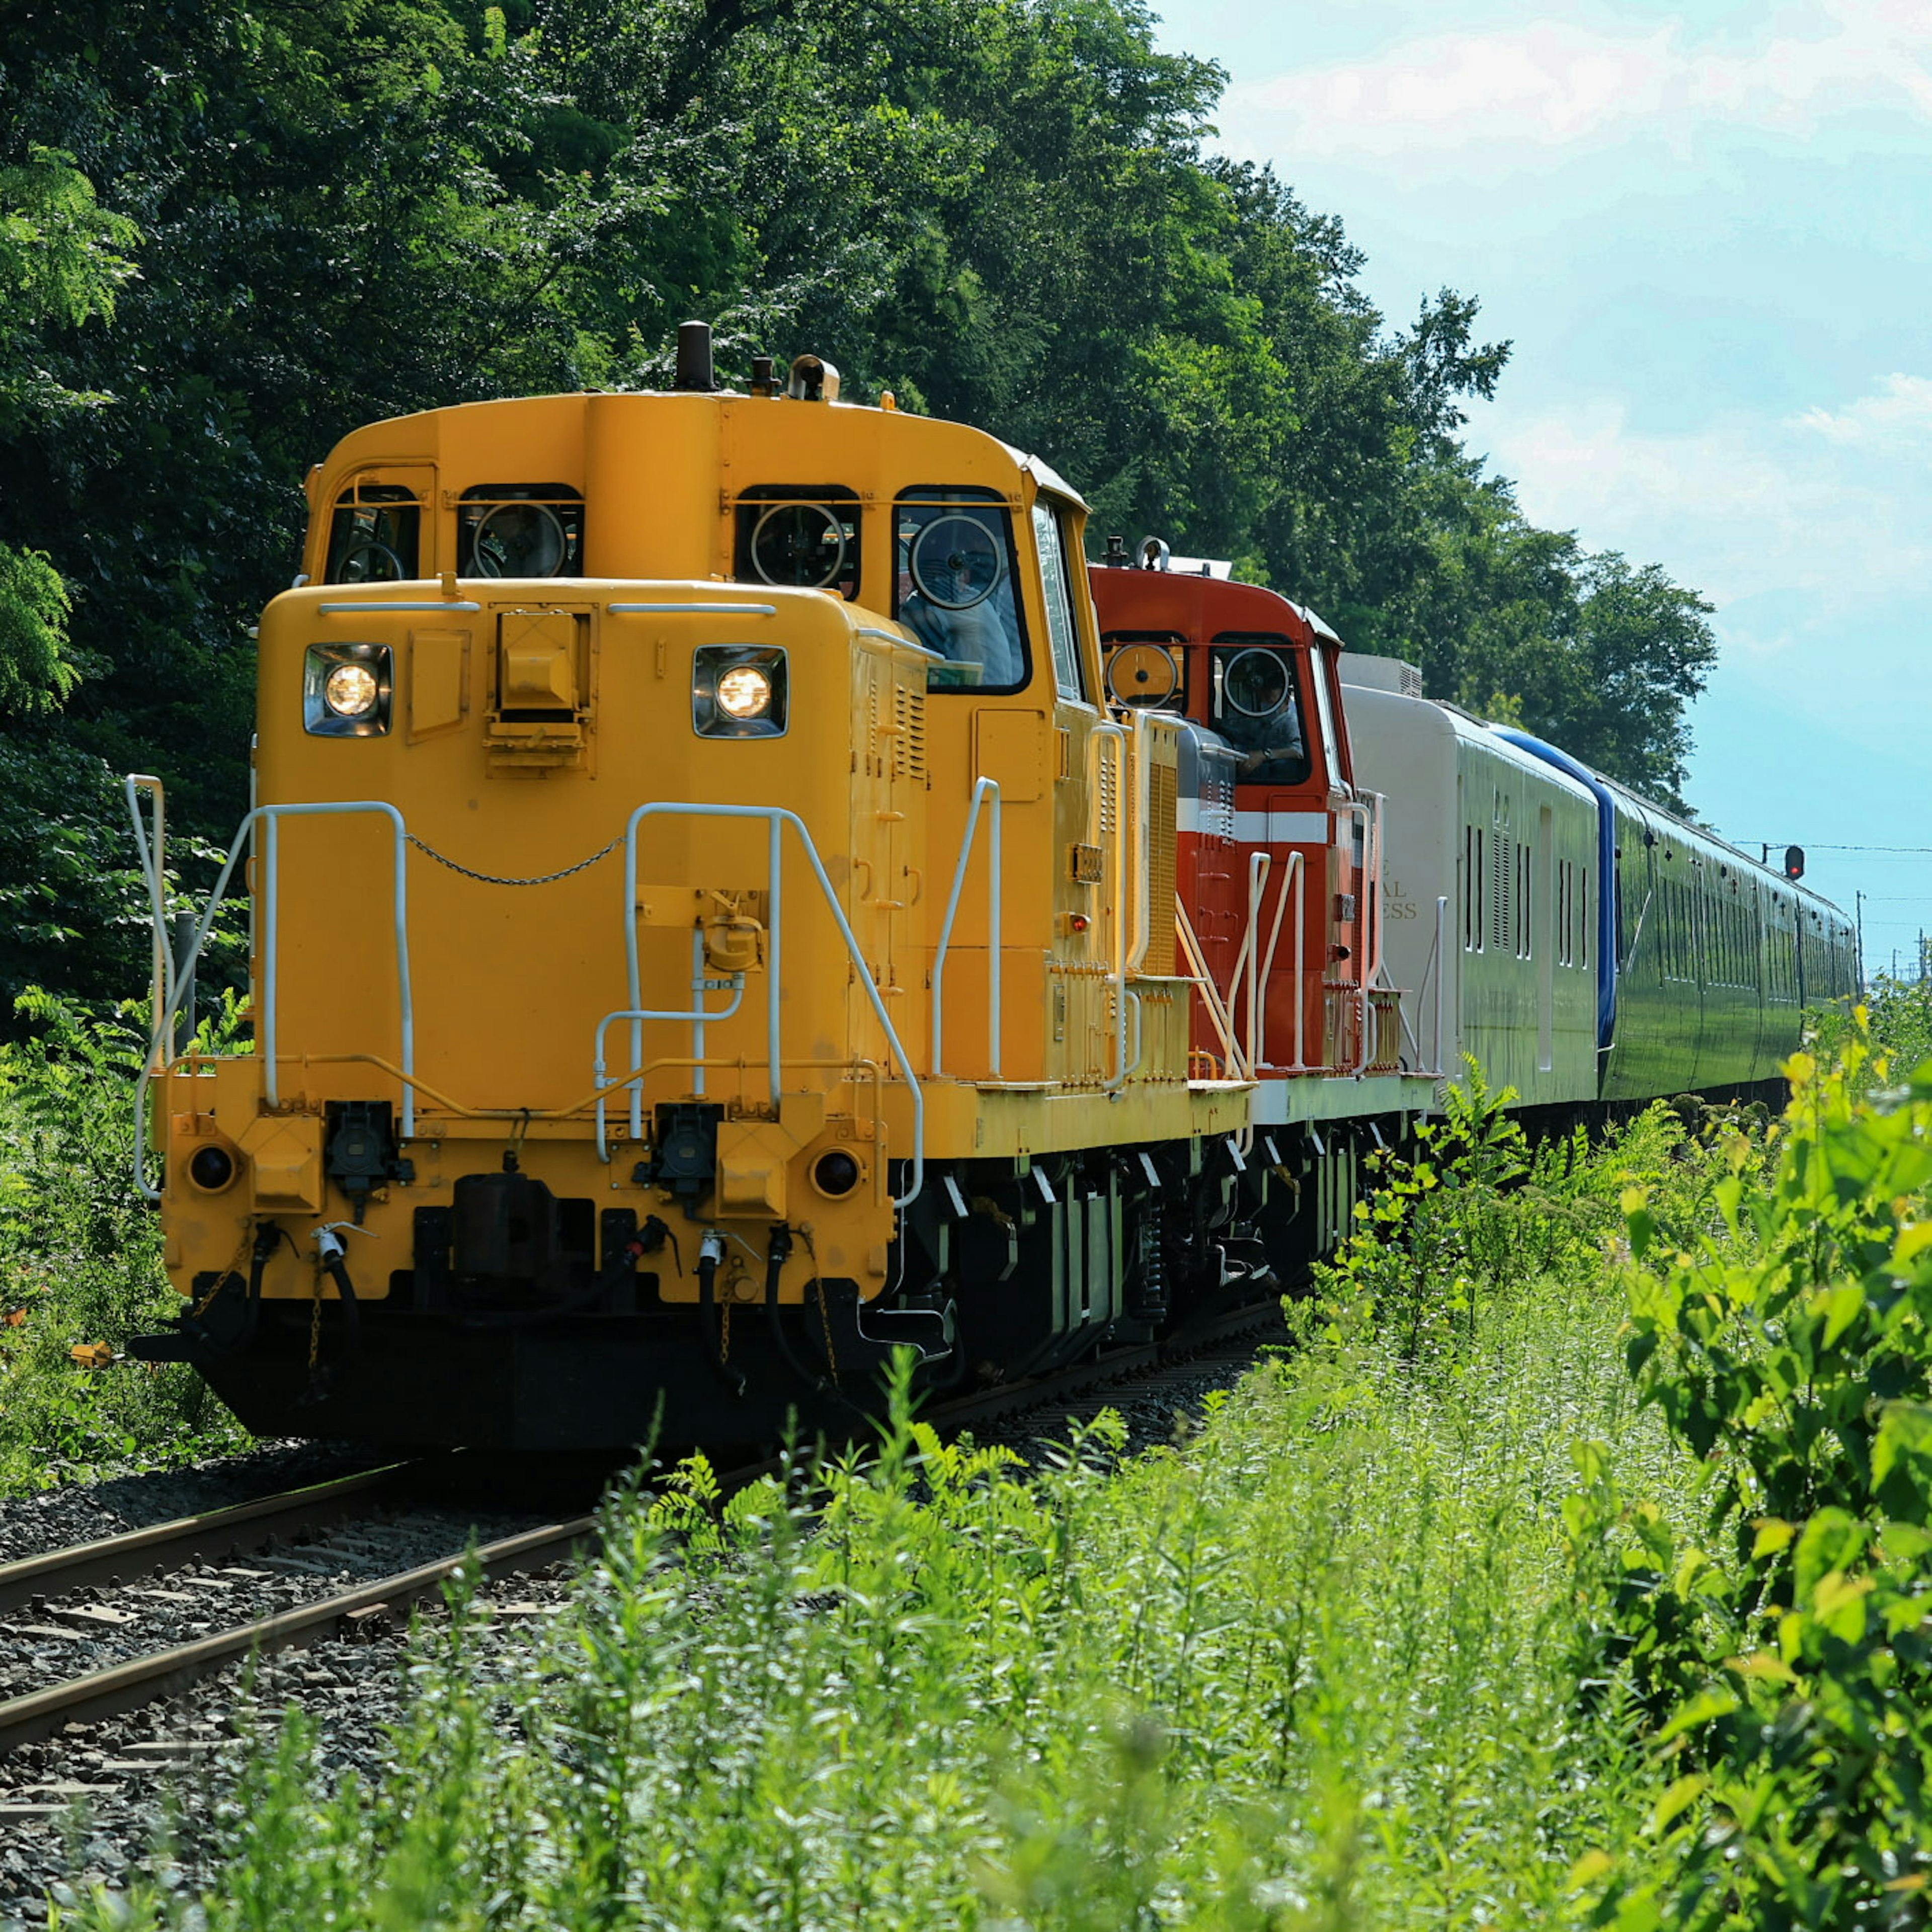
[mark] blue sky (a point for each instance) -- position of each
(1708, 232)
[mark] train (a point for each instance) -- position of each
(735, 895)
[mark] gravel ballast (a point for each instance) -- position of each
(143, 1796)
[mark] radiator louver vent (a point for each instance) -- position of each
(909, 740)
(1163, 788)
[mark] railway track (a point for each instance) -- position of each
(150, 1613)
(83, 1594)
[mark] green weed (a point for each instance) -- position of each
(1781, 1654)
(80, 1266)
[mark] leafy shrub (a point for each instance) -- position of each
(1893, 1024)
(1479, 1214)
(80, 1265)
(1788, 1654)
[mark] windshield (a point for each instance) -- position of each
(801, 536)
(953, 586)
(372, 536)
(1258, 708)
(1049, 535)
(520, 529)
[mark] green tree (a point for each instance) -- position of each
(60, 263)
(1000, 209)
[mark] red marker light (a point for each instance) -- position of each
(1079, 922)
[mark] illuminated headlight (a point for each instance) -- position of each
(738, 690)
(346, 690)
(351, 691)
(744, 692)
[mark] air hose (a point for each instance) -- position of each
(335, 1264)
(710, 1252)
(776, 1256)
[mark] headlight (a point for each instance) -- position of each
(347, 690)
(738, 690)
(351, 690)
(744, 692)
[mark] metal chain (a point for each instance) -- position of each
(824, 1312)
(491, 879)
(234, 1268)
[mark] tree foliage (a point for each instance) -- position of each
(230, 230)
(1786, 1659)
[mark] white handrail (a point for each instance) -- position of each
(183, 968)
(982, 789)
(176, 984)
(273, 815)
(1372, 923)
(1290, 882)
(153, 871)
(1442, 983)
(359, 609)
(1143, 836)
(776, 817)
(695, 1019)
(1248, 957)
(1254, 968)
(1364, 901)
(1218, 1015)
(692, 609)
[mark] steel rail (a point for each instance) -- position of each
(210, 1536)
(124, 1687)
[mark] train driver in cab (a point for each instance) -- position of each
(955, 593)
(1259, 713)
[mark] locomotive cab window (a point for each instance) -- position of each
(520, 529)
(1049, 531)
(952, 587)
(1147, 670)
(799, 536)
(1256, 704)
(374, 535)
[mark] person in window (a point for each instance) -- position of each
(1261, 717)
(1282, 758)
(956, 605)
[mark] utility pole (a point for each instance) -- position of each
(1858, 913)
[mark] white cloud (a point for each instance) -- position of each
(1833, 506)
(1550, 83)
(1900, 413)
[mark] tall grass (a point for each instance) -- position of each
(80, 1267)
(1315, 1665)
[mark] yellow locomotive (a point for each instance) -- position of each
(706, 930)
